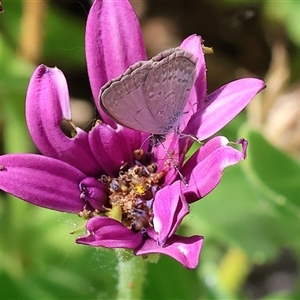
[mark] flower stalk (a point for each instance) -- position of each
(131, 275)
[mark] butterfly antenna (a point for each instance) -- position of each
(148, 138)
(174, 165)
(194, 138)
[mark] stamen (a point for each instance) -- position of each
(138, 154)
(133, 192)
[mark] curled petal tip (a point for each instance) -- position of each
(244, 144)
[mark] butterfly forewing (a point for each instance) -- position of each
(167, 89)
(118, 100)
(150, 96)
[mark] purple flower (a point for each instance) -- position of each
(130, 199)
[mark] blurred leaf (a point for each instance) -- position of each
(279, 295)
(10, 288)
(170, 280)
(59, 283)
(64, 40)
(14, 78)
(233, 270)
(251, 216)
(247, 211)
(275, 175)
(10, 24)
(233, 216)
(230, 130)
(288, 13)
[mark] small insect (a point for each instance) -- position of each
(142, 219)
(1, 8)
(151, 95)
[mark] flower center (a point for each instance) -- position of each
(131, 195)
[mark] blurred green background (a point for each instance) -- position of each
(250, 221)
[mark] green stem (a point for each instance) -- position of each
(132, 271)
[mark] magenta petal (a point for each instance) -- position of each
(244, 144)
(42, 181)
(169, 209)
(135, 139)
(198, 92)
(47, 104)
(222, 106)
(171, 152)
(109, 233)
(185, 250)
(94, 192)
(113, 42)
(208, 172)
(210, 146)
(204, 151)
(110, 148)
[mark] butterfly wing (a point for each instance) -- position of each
(167, 88)
(122, 98)
(150, 96)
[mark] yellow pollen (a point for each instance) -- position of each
(141, 190)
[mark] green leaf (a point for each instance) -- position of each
(170, 280)
(272, 171)
(64, 40)
(10, 288)
(233, 215)
(288, 13)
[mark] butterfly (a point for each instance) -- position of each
(150, 96)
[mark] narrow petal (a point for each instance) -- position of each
(244, 144)
(169, 209)
(135, 139)
(47, 104)
(113, 42)
(208, 148)
(110, 148)
(198, 92)
(109, 233)
(208, 172)
(42, 181)
(185, 250)
(222, 106)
